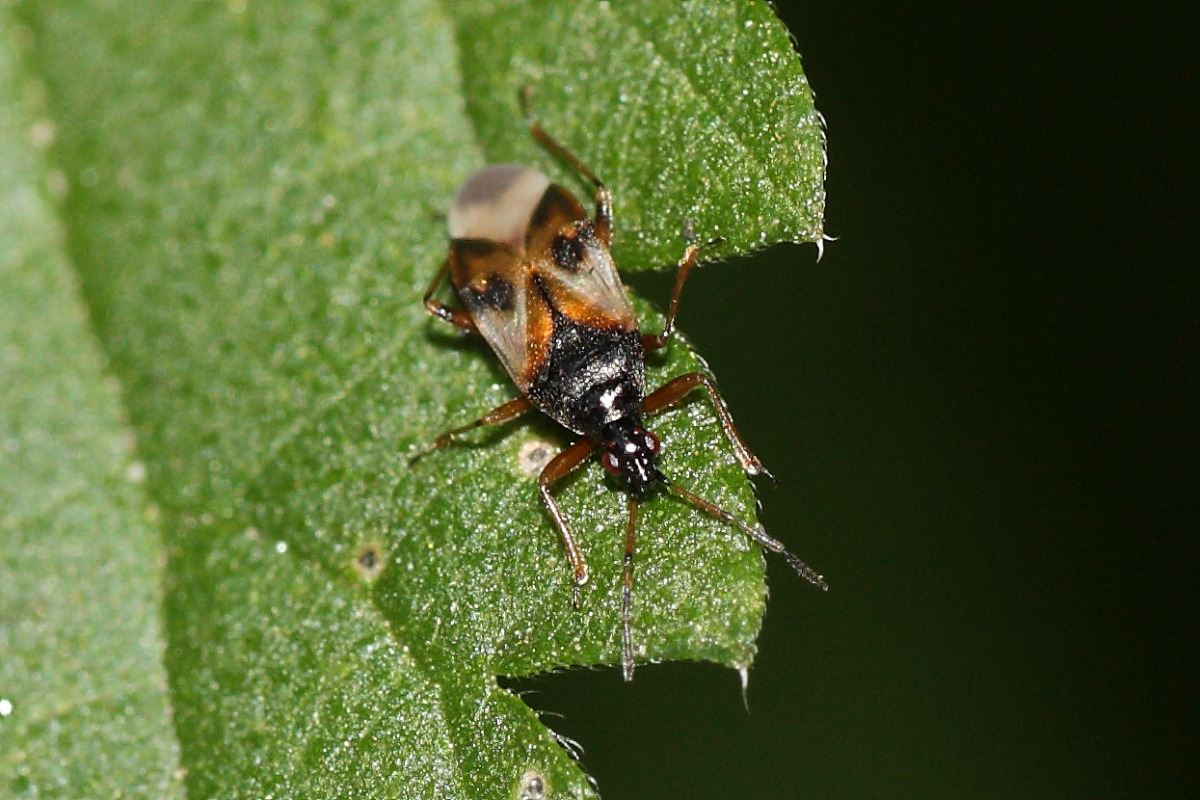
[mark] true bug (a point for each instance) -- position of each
(537, 280)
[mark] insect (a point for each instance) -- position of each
(537, 280)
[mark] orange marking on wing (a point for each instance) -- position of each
(590, 295)
(539, 331)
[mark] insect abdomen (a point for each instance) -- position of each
(591, 377)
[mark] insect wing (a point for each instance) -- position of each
(497, 203)
(573, 267)
(493, 283)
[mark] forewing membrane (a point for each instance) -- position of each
(576, 269)
(493, 284)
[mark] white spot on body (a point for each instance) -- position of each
(608, 399)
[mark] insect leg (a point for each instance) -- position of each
(559, 467)
(675, 390)
(501, 414)
(690, 257)
(455, 316)
(603, 221)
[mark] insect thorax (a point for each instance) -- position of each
(592, 376)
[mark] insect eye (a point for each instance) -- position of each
(567, 251)
(610, 463)
(652, 442)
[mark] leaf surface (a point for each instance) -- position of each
(255, 208)
(83, 699)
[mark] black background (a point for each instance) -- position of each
(982, 403)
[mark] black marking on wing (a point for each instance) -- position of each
(568, 251)
(557, 209)
(496, 293)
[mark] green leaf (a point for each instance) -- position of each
(83, 699)
(254, 212)
(693, 112)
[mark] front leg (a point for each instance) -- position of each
(671, 392)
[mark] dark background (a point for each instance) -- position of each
(982, 403)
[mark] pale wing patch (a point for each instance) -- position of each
(496, 204)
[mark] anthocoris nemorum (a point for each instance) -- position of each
(536, 278)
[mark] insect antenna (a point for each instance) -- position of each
(757, 534)
(627, 597)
